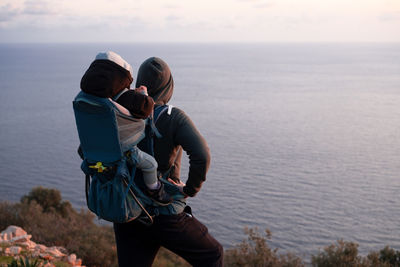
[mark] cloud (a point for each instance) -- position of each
(40, 7)
(258, 3)
(392, 16)
(299, 20)
(24, 13)
(264, 5)
(230, 26)
(172, 18)
(8, 13)
(171, 6)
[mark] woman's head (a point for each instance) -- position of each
(155, 74)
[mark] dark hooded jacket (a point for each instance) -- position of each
(177, 129)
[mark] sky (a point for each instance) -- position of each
(199, 21)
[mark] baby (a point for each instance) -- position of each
(140, 105)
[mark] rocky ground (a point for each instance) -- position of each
(16, 243)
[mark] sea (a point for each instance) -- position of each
(304, 137)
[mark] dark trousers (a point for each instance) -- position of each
(137, 244)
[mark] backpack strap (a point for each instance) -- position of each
(158, 111)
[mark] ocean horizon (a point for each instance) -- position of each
(304, 137)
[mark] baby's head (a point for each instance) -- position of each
(108, 75)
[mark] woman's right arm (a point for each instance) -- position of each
(187, 135)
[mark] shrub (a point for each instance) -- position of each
(256, 252)
(24, 263)
(9, 215)
(346, 254)
(340, 254)
(389, 256)
(6, 260)
(53, 222)
(49, 200)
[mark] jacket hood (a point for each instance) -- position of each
(156, 75)
(107, 75)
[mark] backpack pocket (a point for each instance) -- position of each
(109, 194)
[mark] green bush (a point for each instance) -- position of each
(340, 254)
(256, 252)
(24, 263)
(389, 256)
(53, 222)
(49, 200)
(346, 254)
(5, 260)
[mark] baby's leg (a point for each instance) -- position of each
(156, 191)
(148, 165)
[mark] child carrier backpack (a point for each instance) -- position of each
(107, 135)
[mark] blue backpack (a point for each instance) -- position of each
(107, 137)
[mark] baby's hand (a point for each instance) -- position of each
(142, 89)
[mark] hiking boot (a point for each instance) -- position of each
(160, 196)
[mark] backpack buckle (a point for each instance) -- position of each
(99, 167)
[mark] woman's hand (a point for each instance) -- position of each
(180, 186)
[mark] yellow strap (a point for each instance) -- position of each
(99, 166)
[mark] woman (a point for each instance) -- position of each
(174, 228)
